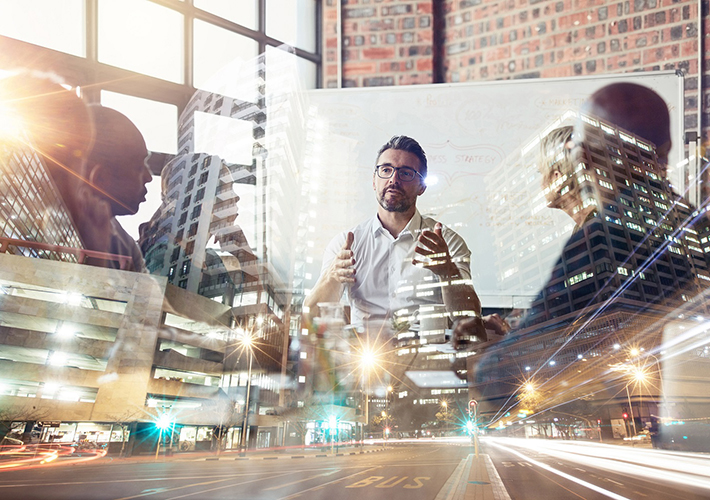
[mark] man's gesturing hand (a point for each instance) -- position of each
(341, 269)
(432, 245)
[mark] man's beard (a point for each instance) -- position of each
(400, 205)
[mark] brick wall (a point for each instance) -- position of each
(385, 42)
(392, 42)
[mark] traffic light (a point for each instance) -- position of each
(472, 406)
(625, 415)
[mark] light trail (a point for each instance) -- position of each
(35, 456)
(650, 465)
(569, 477)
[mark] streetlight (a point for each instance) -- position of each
(638, 376)
(368, 361)
(385, 435)
(247, 342)
(164, 423)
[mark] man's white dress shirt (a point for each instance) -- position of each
(386, 281)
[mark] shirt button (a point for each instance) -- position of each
(394, 294)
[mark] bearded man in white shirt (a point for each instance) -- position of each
(399, 259)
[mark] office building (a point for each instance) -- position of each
(611, 291)
(32, 209)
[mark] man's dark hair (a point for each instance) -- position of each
(404, 143)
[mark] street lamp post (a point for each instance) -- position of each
(247, 341)
(445, 409)
(631, 410)
(367, 362)
(387, 414)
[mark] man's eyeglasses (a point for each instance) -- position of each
(405, 174)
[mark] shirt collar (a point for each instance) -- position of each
(412, 227)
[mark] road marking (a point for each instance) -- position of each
(574, 479)
(299, 481)
(418, 481)
(612, 481)
(326, 484)
(577, 468)
(639, 493)
(448, 491)
(222, 487)
(74, 483)
(152, 492)
(366, 482)
(390, 484)
(499, 491)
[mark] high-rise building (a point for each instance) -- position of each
(227, 226)
(637, 257)
(32, 209)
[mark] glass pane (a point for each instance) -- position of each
(242, 12)
(153, 45)
(157, 121)
(307, 73)
(292, 22)
(56, 25)
(230, 139)
(220, 58)
(282, 65)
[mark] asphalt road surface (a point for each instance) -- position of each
(407, 473)
(550, 469)
(424, 470)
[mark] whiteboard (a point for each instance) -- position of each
(467, 130)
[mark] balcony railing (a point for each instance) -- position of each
(81, 254)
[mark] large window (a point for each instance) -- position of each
(51, 24)
(141, 36)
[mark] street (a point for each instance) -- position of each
(407, 470)
(544, 469)
(414, 472)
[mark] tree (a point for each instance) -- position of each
(445, 418)
(123, 420)
(19, 413)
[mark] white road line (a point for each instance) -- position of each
(499, 491)
(448, 491)
(222, 487)
(139, 480)
(165, 490)
(328, 483)
(299, 481)
(574, 479)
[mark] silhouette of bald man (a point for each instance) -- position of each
(118, 173)
(638, 110)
